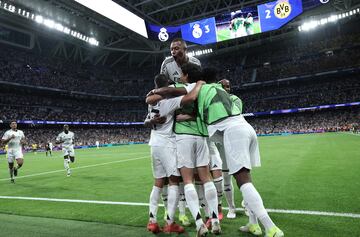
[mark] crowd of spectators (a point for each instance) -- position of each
(306, 122)
(317, 121)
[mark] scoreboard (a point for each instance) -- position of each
(230, 25)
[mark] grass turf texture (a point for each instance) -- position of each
(303, 172)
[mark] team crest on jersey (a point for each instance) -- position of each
(282, 10)
(163, 35)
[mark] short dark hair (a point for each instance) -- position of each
(209, 75)
(161, 81)
(193, 71)
(180, 40)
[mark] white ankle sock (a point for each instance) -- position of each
(255, 204)
(173, 199)
(154, 203)
(192, 200)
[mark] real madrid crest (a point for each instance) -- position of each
(163, 35)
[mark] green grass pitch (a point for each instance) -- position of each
(301, 172)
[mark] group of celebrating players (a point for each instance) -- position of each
(199, 139)
(14, 139)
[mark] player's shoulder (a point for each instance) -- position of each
(194, 60)
(168, 61)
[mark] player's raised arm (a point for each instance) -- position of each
(192, 96)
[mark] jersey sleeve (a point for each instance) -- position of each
(163, 70)
(190, 87)
(58, 138)
(5, 136)
(170, 105)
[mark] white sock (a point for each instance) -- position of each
(202, 201)
(229, 190)
(173, 199)
(192, 200)
(212, 201)
(66, 164)
(255, 204)
(219, 184)
(182, 200)
(252, 217)
(154, 203)
(164, 196)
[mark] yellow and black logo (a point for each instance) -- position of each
(282, 10)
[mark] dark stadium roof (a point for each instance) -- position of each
(118, 44)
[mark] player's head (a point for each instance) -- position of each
(66, 128)
(249, 15)
(209, 75)
(161, 81)
(190, 73)
(13, 125)
(225, 84)
(178, 48)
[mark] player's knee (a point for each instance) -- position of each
(242, 176)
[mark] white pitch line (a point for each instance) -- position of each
(298, 212)
(81, 167)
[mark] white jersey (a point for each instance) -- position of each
(171, 69)
(67, 139)
(51, 145)
(14, 143)
(162, 134)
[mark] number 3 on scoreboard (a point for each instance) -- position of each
(268, 12)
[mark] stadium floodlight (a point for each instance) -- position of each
(59, 27)
(49, 23)
(117, 13)
(39, 19)
(93, 41)
(66, 30)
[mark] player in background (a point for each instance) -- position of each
(163, 154)
(97, 144)
(34, 148)
(171, 67)
(51, 146)
(249, 24)
(47, 149)
(67, 140)
(14, 139)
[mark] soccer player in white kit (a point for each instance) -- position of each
(171, 68)
(97, 144)
(163, 153)
(226, 125)
(66, 138)
(14, 138)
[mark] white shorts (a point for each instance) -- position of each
(192, 152)
(241, 147)
(14, 154)
(164, 162)
(215, 160)
(68, 151)
(221, 150)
